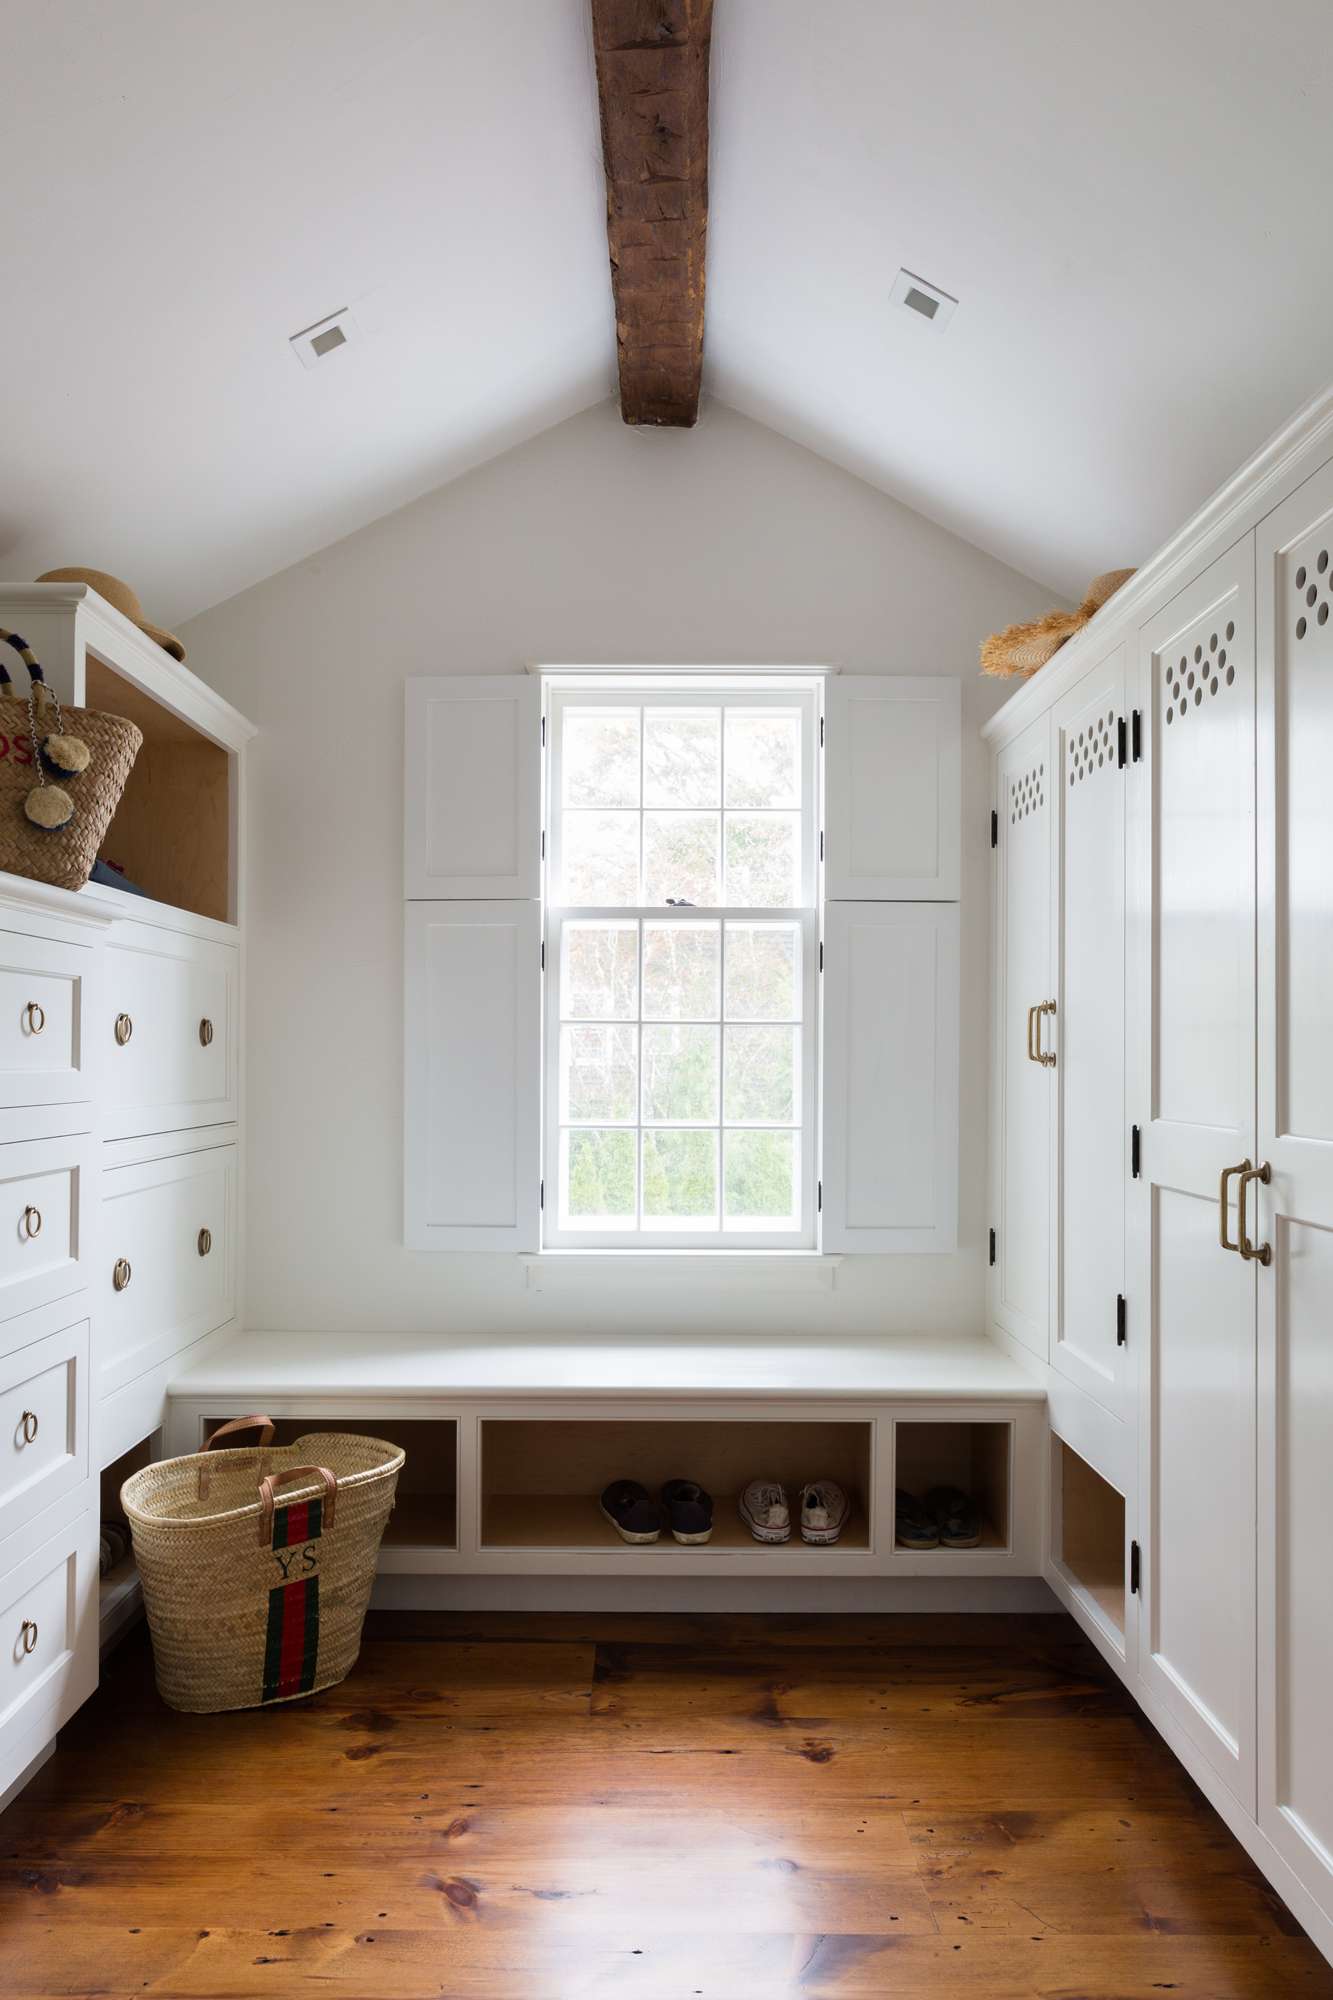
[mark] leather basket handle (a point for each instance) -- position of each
(270, 1483)
(264, 1425)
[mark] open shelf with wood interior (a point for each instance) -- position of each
(976, 1457)
(119, 1593)
(172, 832)
(1088, 1537)
(541, 1478)
(425, 1511)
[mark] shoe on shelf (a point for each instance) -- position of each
(764, 1510)
(956, 1517)
(634, 1516)
(824, 1511)
(914, 1526)
(688, 1510)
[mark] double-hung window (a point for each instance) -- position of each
(681, 891)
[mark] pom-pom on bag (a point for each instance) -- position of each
(62, 771)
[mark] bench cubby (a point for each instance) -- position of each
(1088, 1538)
(120, 1596)
(541, 1479)
(978, 1457)
(425, 1511)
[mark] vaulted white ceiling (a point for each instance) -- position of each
(1131, 205)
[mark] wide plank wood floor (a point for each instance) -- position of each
(502, 1807)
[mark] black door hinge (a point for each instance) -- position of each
(543, 843)
(1120, 1334)
(819, 1196)
(1136, 735)
(821, 732)
(1122, 741)
(821, 954)
(541, 1194)
(543, 732)
(992, 1246)
(994, 828)
(543, 954)
(1135, 1152)
(1134, 1568)
(821, 843)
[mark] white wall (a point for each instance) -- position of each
(590, 543)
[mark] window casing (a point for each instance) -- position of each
(681, 1047)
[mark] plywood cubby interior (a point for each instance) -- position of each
(973, 1456)
(119, 1595)
(172, 831)
(425, 1511)
(1089, 1534)
(541, 1480)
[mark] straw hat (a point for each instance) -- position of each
(121, 598)
(1021, 649)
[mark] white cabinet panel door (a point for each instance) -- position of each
(1091, 736)
(893, 786)
(45, 1046)
(890, 1139)
(1197, 1020)
(1294, 1212)
(472, 1076)
(472, 810)
(1021, 1086)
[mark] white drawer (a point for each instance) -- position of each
(44, 1186)
(48, 1642)
(43, 1426)
(166, 1235)
(44, 1007)
(167, 1019)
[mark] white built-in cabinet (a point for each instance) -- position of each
(119, 1101)
(1162, 1136)
(474, 952)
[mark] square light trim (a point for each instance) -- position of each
(922, 299)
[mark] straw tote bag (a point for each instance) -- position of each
(257, 1565)
(62, 772)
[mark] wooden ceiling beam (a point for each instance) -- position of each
(652, 80)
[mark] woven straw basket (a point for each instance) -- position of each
(254, 1595)
(61, 855)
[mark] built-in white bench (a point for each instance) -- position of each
(509, 1444)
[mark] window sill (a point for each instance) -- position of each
(725, 1270)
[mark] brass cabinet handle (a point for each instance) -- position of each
(205, 1032)
(204, 1241)
(1032, 1022)
(1043, 1056)
(124, 1029)
(35, 1016)
(1227, 1172)
(1261, 1253)
(28, 1422)
(121, 1273)
(28, 1635)
(32, 1221)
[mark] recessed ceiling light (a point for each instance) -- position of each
(919, 296)
(325, 337)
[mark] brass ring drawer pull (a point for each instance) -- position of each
(204, 1241)
(1222, 1191)
(205, 1032)
(124, 1029)
(32, 1221)
(1261, 1253)
(28, 1635)
(121, 1273)
(29, 1424)
(35, 1015)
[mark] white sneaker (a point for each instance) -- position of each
(823, 1511)
(763, 1508)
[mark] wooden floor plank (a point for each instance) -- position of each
(504, 1808)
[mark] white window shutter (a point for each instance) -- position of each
(893, 786)
(472, 810)
(472, 1167)
(889, 1157)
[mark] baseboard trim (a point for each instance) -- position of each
(711, 1593)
